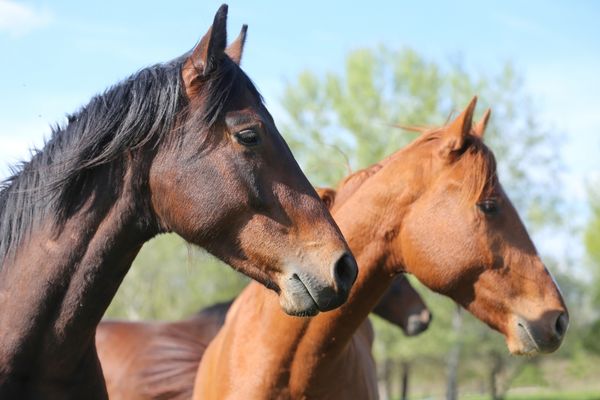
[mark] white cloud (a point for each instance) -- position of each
(19, 19)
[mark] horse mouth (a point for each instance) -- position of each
(529, 346)
(296, 299)
(535, 339)
(416, 324)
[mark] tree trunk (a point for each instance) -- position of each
(496, 368)
(454, 357)
(405, 373)
(385, 380)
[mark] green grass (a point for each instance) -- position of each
(546, 396)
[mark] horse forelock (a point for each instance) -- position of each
(477, 166)
(219, 86)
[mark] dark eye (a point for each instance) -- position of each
(488, 206)
(248, 137)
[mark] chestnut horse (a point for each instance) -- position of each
(435, 209)
(186, 146)
(159, 360)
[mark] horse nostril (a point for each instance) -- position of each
(427, 316)
(345, 272)
(560, 327)
(417, 324)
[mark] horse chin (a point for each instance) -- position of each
(519, 347)
(296, 300)
(298, 305)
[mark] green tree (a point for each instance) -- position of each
(592, 246)
(592, 241)
(171, 279)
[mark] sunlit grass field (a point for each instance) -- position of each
(545, 396)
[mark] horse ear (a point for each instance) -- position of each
(454, 139)
(479, 129)
(207, 54)
(235, 49)
(327, 195)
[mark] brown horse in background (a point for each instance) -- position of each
(170, 351)
(186, 146)
(159, 360)
(435, 209)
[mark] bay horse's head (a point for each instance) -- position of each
(227, 181)
(450, 223)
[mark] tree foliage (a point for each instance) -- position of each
(171, 279)
(592, 246)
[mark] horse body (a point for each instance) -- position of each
(434, 209)
(187, 147)
(150, 360)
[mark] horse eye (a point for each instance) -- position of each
(488, 206)
(247, 137)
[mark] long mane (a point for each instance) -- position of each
(353, 182)
(475, 157)
(138, 111)
(477, 161)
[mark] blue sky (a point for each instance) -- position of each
(55, 55)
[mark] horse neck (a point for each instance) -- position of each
(58, 285)
(308, 355)
(370, 220)
(330, 337)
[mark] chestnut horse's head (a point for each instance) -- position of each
(227, 181)
(402, 305)
(461, 236)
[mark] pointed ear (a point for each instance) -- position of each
(479, 128)
(455, 133)
(235, 49)
(327, 195)
(207, 54)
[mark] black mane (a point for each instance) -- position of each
(140, 110)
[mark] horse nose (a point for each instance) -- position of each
(426, 317)
(344, 274)
(545, 334)
(418, 323)
(333, 291)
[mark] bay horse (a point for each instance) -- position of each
(186, 146)
(435, 209)
(159, 360)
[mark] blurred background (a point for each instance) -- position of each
(335, 77)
